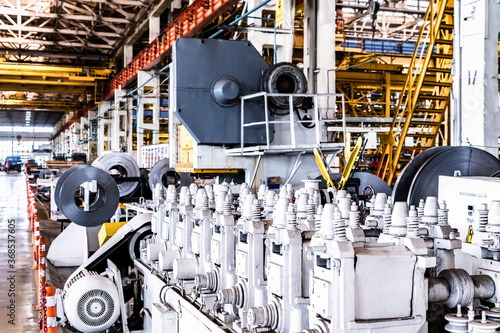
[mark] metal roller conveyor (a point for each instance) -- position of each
(121, 164)
(100, 200)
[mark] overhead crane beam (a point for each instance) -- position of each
(26, 75)
(38, 109)
(27, 103)
(48, 80)
(44, 88)
(59, 82)
(89, 71)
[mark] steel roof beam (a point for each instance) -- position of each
(142, 26)
(35, 53)
(60, 43)
(118, 2)
(92, 17)
(24, 28)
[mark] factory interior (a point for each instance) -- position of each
(250, 166)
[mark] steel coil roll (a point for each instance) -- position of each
(420, 178)
(162, 173)
(367, 179)
(62, 179)
(159, 170)
(101, 207)
(121, 164)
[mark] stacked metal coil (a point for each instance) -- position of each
(121, 164)
(162, 173)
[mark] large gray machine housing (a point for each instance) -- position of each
(206, 90)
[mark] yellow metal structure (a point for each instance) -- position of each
(322, 168)
(73, 73)
(424, 99)
(26, 104)
(108, 230)
(350, 164)
(188, 168)
(47, 79)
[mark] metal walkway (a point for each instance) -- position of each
(20, 289)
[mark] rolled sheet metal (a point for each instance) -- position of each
(369, 179)
(158, 172)
(421, 180)
(62, 179)
(165, 175)
(124, 165)
(102, 207)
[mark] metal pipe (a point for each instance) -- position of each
(255, 171)
(296, 166)
(294, 171)
(274, 23)
(262, 4)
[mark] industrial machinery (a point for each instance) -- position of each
(286, 263)
(255, 257)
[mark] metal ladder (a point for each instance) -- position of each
(425, 97)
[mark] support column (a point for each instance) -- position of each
(148, 103)
(128, 54)
(154, 27)
(265, 39)
(103, 129)
(74, 138)
(84, 135)
(319, 51)
(325, 55)
(119, 122)
(310, 43)
(92, 137)
(476, 116)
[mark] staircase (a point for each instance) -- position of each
(425, 98)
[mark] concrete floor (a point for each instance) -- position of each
(49, 230)
(13, 205)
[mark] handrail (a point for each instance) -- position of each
(411, 89)
(317, 117)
